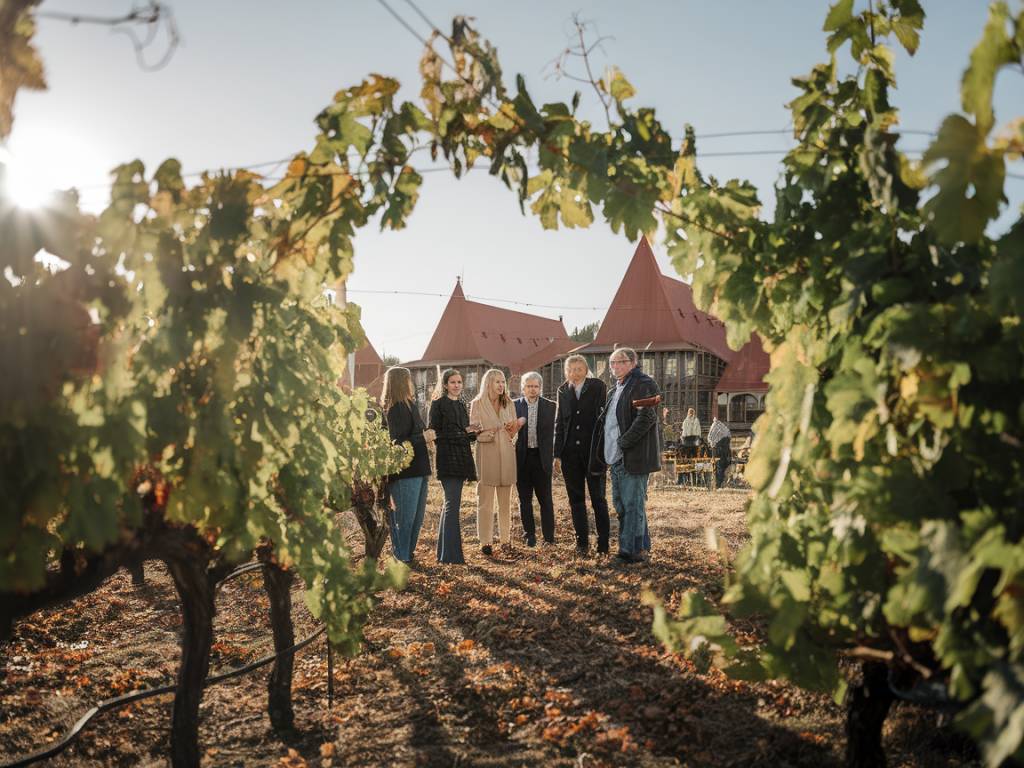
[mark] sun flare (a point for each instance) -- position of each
(23, 185)
(40, 161)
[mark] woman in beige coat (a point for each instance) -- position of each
(493, 413)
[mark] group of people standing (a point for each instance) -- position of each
(585, 433)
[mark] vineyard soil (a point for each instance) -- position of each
(534, 658)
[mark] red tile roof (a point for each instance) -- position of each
(368, 373)
(746, 371)
(369, 369)
(518, 341)
(651, 308)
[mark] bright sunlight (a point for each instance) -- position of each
(39, 161)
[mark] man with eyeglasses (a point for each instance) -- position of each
(628, 440)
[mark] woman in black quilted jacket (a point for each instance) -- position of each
(450, 421)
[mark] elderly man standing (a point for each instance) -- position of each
(580, 399)
(628, 440)
(534, 458)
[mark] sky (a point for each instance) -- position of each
(248, 78)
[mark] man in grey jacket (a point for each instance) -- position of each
(628, 440)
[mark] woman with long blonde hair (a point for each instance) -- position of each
(495, 415)
(408, 488)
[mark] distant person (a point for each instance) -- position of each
(534, 458)
(408, 489)
(629, 441)
(580, 400)
(493, 412)
(689, 440)
(720, 440)
(689, 432)
(745, 449)
(450, 421)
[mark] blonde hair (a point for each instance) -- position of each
(485, 387)
(397, 387)
(574, 359)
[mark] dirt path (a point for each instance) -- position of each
(534, 658)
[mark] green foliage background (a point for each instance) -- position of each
(886, 521)
(189, 333)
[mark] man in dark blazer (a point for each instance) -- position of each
(533, 458)
(580, 400)
(628, 441)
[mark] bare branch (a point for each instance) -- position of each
(153, 15)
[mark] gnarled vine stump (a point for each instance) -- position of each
(867, 705)
(187, 558)
(279, 686)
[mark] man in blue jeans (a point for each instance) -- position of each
(628, 440)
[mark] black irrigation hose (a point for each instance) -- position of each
(932, 694)
(71, 736)
(234, 574)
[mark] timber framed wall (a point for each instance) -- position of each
(686, 377)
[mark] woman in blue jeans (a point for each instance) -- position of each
(450, 421)
(408, 488)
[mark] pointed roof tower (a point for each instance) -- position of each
(469, 330)
(369, 365)
(451, 339)
(651, 308)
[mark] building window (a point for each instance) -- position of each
(471, 380)
(704, 407)
(671, 367)
(744, 409)
(647, 365)
(602, 366)
(691, 364)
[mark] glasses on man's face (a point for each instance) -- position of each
(618, 361)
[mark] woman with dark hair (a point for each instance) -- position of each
(450, 421)
(408, 488)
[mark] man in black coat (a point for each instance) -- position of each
(628, 440)
(533, 458)
(580, 400)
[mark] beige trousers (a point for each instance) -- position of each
(485, 513)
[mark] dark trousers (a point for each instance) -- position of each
(577, 481)
(449, 530)
(723, 452)
(532, 480)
